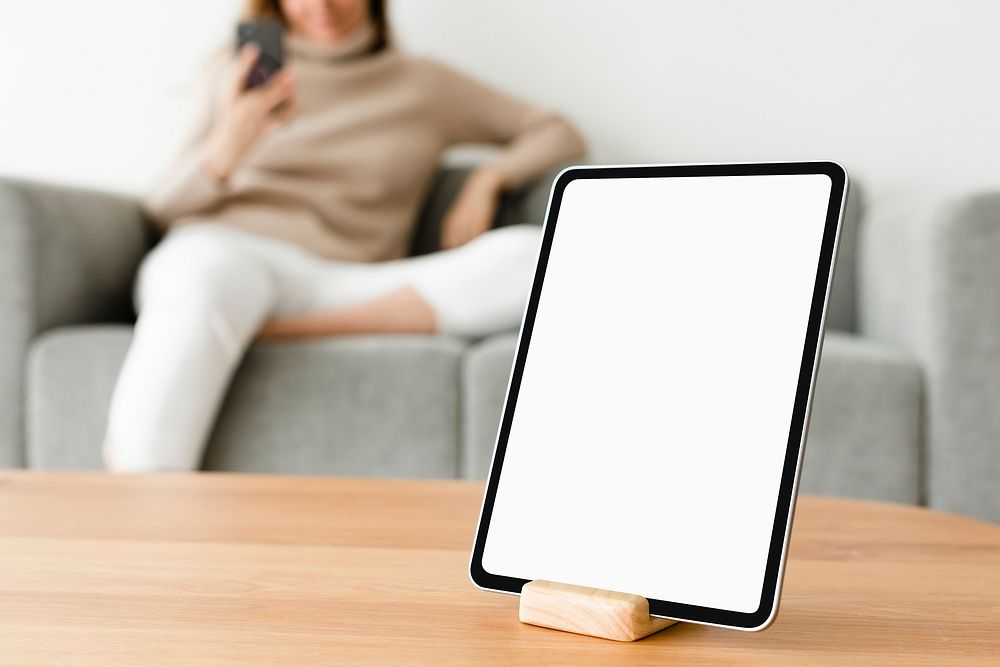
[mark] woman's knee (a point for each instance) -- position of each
(514, 245)
(482, 289)
(200, 264)
(522, 235)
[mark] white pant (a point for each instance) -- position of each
(203, 293)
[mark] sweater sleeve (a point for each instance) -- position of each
(535, 138)
(188, 186)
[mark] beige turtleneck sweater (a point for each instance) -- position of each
(346, 177)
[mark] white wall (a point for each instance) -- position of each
(94, 92)
(904, 92)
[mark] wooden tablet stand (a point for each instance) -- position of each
(623, 617)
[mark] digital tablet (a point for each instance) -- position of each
(658, 403)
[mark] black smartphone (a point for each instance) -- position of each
(268, 36)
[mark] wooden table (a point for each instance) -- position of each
(190, 568)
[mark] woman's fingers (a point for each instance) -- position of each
(457, 230)
(464, 231)
(448, 230)
(245, 61)
(282, 115)
(279, 88)
(243, 116)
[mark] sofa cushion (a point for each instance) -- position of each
(358, 406)
(864, 435)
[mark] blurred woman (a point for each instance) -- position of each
(292, 212)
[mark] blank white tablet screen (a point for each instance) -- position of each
(647, 444)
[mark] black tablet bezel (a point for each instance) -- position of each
(770, 593)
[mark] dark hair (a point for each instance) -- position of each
(258, 9)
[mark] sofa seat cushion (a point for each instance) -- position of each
(864, 434)
(356, 406)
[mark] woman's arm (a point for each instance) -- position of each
(231, 120)
(474, 208)
(187, 186)
(535, 140)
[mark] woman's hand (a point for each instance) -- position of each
(473, 211)
(244, 116)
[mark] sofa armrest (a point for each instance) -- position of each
(66, 256)
(929, 276)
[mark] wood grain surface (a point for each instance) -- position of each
(216, 568)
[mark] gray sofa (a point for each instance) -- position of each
(904, 407)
